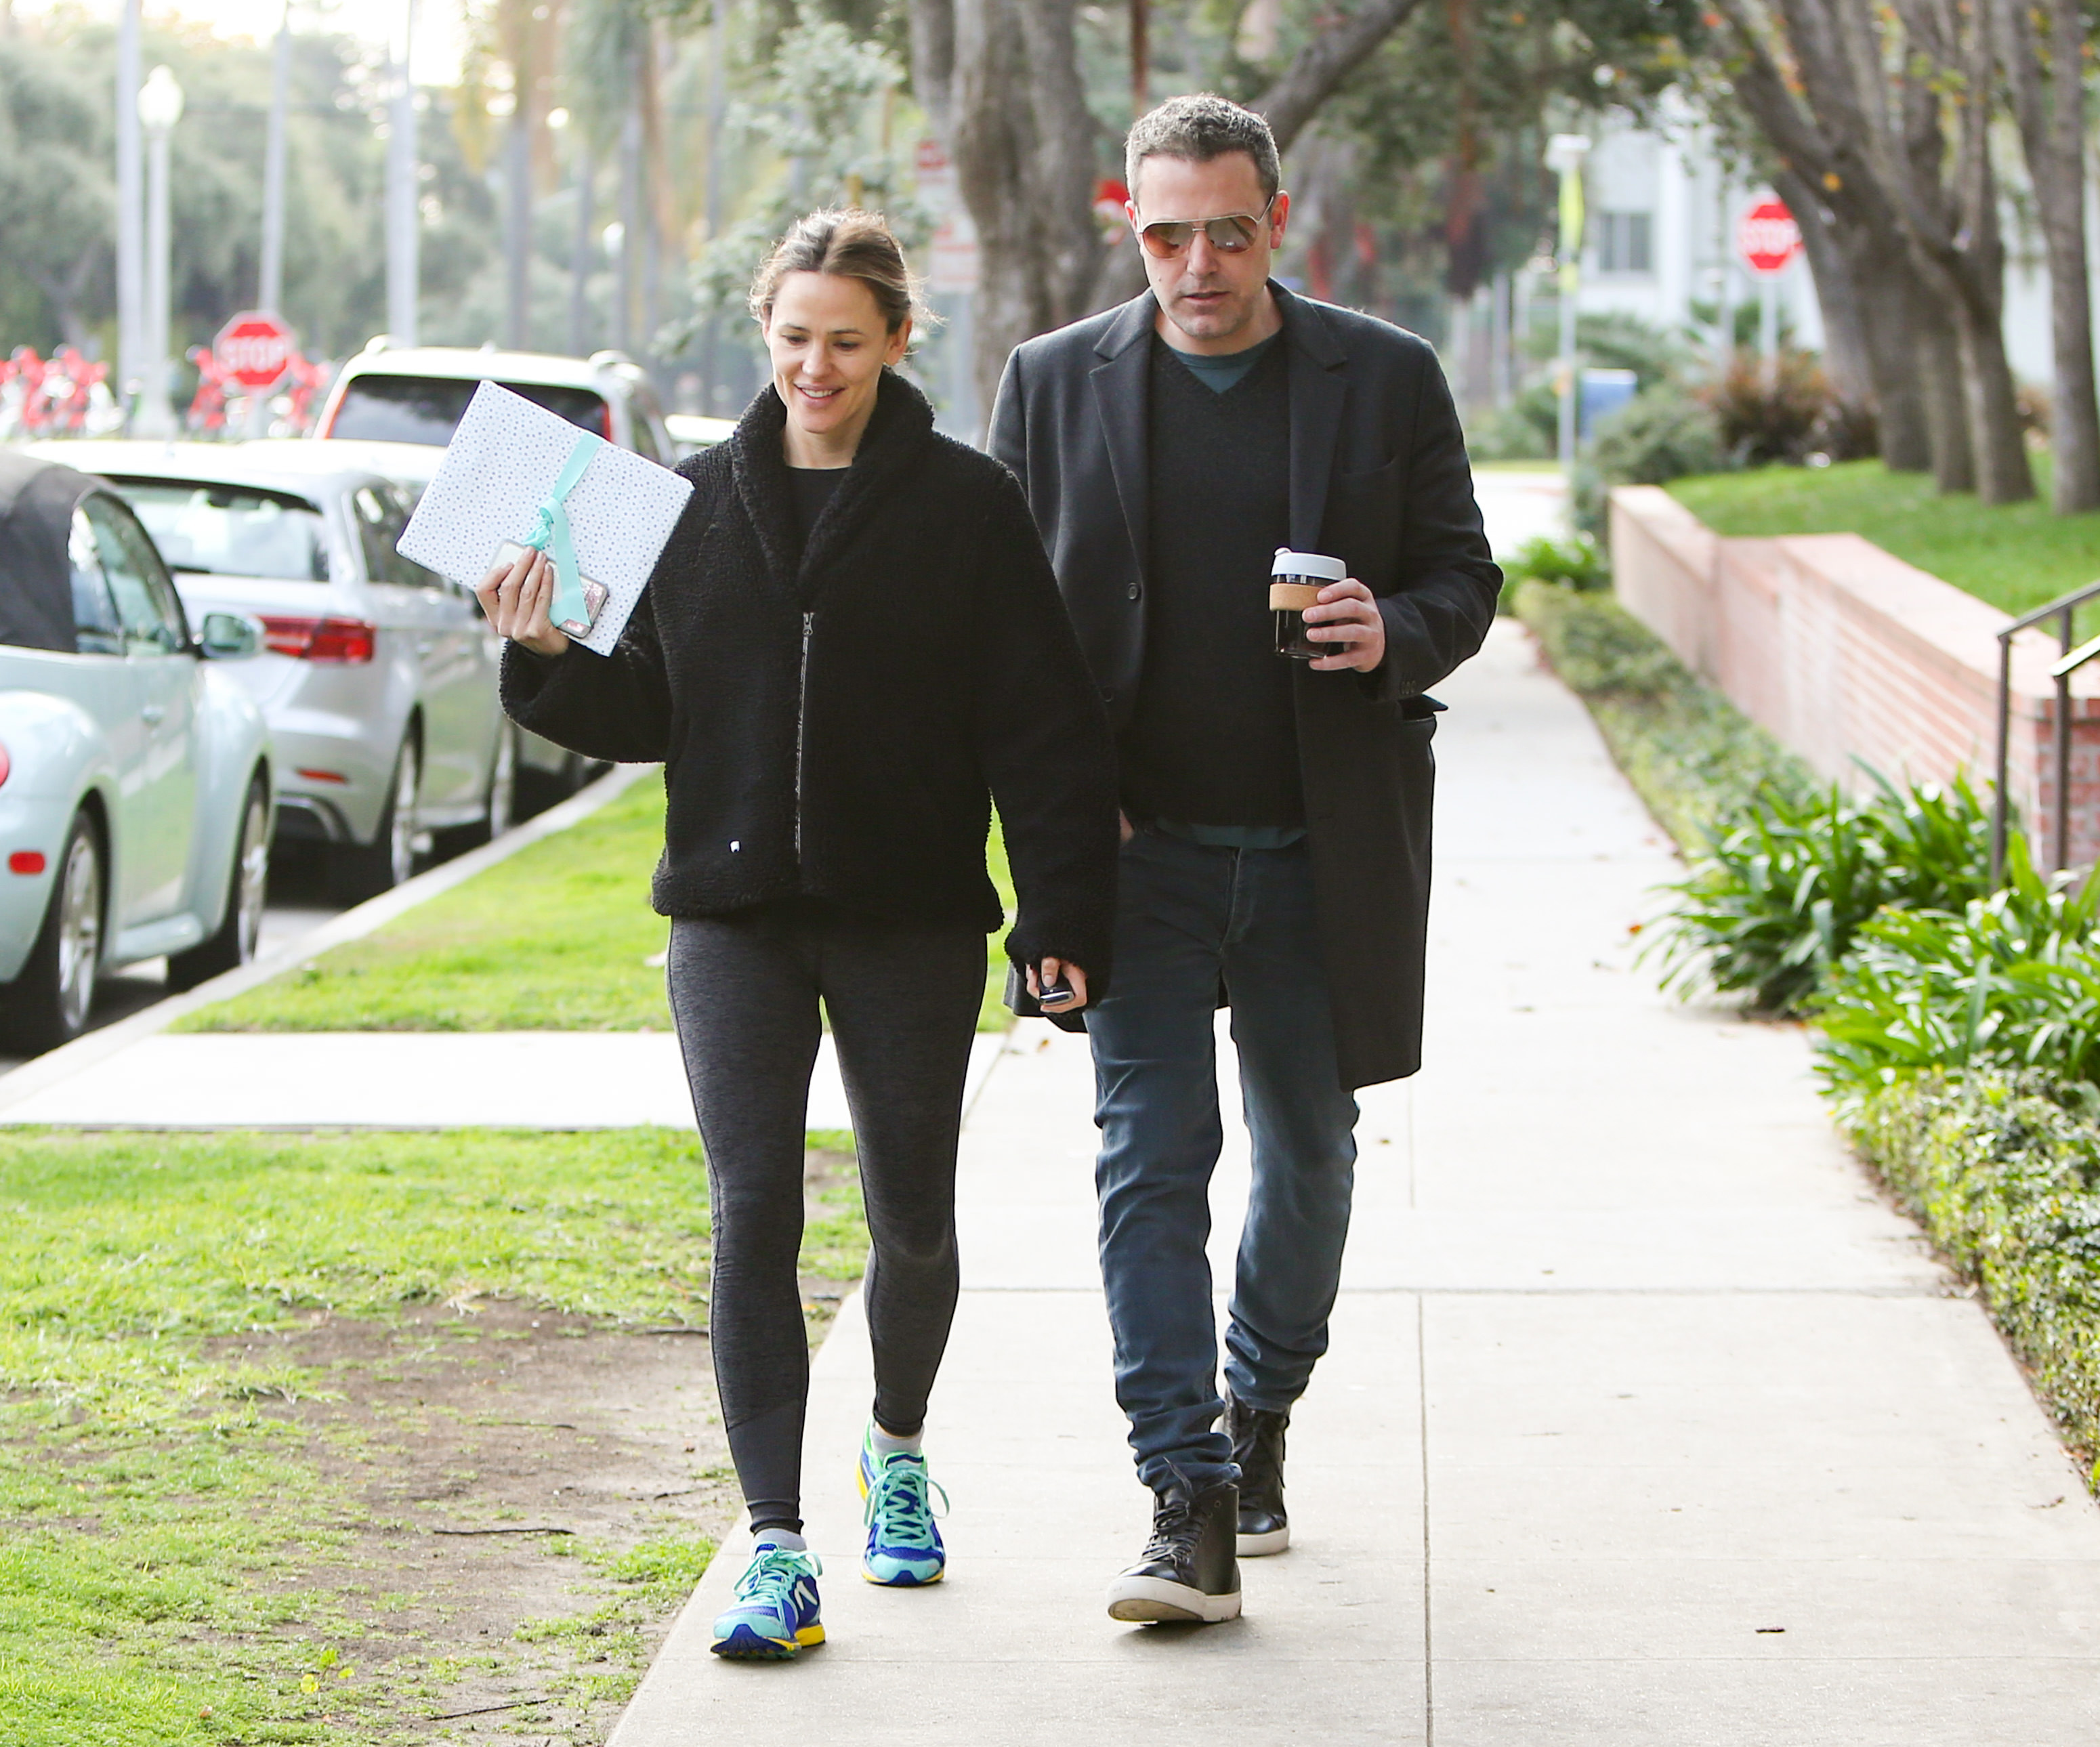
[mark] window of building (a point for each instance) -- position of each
(1622, 243)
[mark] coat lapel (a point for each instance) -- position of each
(759, 473)
(1317, 390)
(1121, 383)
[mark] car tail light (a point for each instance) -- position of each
(321, 776)
(320, 639)
(26, 861)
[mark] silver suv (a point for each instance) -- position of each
(418, 393)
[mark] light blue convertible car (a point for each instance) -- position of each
(135, 780)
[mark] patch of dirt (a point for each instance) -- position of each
(489, 1445)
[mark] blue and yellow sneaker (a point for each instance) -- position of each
(904, 1549)
(775, 1615)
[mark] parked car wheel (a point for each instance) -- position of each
(539, 789)
(47, 1004)
(365, 870)
(249, 885)
(503, 782)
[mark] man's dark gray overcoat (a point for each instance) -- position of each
(1379, 478)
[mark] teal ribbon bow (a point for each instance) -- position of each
(550, 534)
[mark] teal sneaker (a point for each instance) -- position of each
(775, 1615)
(904, 1549)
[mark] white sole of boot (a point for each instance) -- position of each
(1261, 1546)
(1154, 1600)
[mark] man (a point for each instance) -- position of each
(1277, 852)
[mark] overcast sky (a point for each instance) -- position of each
(438, 33)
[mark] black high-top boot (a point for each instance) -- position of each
(1257, 1437)
(1188, 1570)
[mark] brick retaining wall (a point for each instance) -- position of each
(1845, 653)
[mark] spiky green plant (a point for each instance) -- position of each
(1775, 899)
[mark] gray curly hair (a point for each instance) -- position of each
(1199, 128)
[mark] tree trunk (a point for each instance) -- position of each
(1881, 145)
(1001, 79)
(1845, 359)
(65, 294)
(2003, 474)
(2049, 103)
(1024, 152)
(1317, 70)
(1953, 222)
(1889, 299)
(1816, 128)
(933, 25)
(1939, 365)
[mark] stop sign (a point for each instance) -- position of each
(1767, 236)
(255, 348)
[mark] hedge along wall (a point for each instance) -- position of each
(1845, 653)
(2007, 1182)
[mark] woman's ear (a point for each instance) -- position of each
(899, 342)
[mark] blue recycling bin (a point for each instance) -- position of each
(1602, 392)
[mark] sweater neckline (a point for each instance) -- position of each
(902, 424)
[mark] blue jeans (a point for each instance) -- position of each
(1188, 917)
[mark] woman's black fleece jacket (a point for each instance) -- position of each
(836, 718)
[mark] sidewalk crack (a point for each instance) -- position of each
(1421, 1411)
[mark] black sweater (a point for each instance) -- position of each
(836, 718)
(1213, 740)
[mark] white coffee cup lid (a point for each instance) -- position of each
(1289, 563)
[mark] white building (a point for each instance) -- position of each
(1660, 238)
(1661, 233)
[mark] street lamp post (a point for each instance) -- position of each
(271, 290)
(130, 243)
(160, 108)
(403, 193)
(1564, 153)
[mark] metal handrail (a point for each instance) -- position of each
(2070, 661)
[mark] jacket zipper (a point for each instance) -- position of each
(801, 697)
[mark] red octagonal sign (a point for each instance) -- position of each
(255, 348)
(1768, 237)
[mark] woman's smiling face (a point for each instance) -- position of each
(828, 343)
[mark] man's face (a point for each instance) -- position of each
(1209, 294)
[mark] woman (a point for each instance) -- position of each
(852, 644)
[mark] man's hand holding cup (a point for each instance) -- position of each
(1348, 618)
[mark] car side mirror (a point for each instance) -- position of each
(230, 636)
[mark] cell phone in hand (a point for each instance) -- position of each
(1056, 992)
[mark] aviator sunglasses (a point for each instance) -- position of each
(1233, 234)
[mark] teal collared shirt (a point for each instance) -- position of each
(1219, 371)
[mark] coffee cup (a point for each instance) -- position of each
(1295, 581)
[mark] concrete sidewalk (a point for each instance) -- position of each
(1646, 1421)
(404, 1079)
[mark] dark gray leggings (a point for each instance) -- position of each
(903, 1002)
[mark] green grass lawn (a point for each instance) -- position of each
(2016, 556)
(170, 1551)
(559, 938)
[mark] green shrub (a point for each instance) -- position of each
(1774, 901)
(2012, 980)
(1661, 435)
(1693, 757)
(2004, 1171)
(1597, 647)
(1576, 562)
(1527, 429)
(1770, 410)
